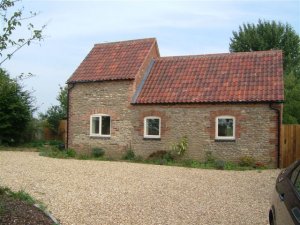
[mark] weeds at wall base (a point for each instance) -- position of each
(246, 163)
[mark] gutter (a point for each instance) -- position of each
(278, 133)
(70, 86)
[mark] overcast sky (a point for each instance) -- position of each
(181, 28)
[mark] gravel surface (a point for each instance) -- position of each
(98, 192)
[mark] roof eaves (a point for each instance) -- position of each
(208, 102)
(100, 80)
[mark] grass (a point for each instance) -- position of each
(17, 209)
(54, 152)
(22, 196)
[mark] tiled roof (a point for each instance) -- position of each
(232, 77)
(113, 61)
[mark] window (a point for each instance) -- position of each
(100, 125)
(225, 128)
(152, 127)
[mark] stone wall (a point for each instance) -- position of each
(256, 125)
(109, 97)
(256, 130)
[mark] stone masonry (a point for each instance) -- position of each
(256, 132)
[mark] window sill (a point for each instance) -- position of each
(224, 140)
(99, 137)
(151, 139)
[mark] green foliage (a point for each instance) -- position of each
(192, 163)
(54, 142)
(98, 152)
(62, 98)
(83, 157)
(16, 108)
(54, 152)
(266, 35)
(247, 161)
(220, 164)
(20, 195)
(34, 144)
(260, 165)
(56, 113)
(70, 153)
(129, 155)
(161, 157)
(11, 19)
(180, 147)
(291, 109)
(209, 158)
(138, 158)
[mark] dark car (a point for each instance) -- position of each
(285, 209)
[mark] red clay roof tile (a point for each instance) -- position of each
(231, 77)
(113, 61)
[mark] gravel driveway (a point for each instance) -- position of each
(97, 192)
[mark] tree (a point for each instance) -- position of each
(16, 105)
(291, 110)
(12, 19)
(16, 108)
(56, 113)
(268, 35)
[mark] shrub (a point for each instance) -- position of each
(52, 151)
(129, 155)
(70, 153)
(231, 166)
(260, 165)
(83, 157)
(247, 161)
(220, 164)
(157, 155)
(138, 158)
(166, 156)
(191, 163)
(180, 147)
(55, 142)
(35, 144)
(209, 157)
(98, 152)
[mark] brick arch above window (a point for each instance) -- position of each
(114, 115)
(164, 121)
(218, 113)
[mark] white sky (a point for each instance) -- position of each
(181, 28)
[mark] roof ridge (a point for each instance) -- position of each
(126, 41)
(219, 54)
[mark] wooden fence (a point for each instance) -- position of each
(290, 144)
(62, 132)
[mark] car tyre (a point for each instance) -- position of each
(271, 218)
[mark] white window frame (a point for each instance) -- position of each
(145, 127)
(217, 137)
(100, 126)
